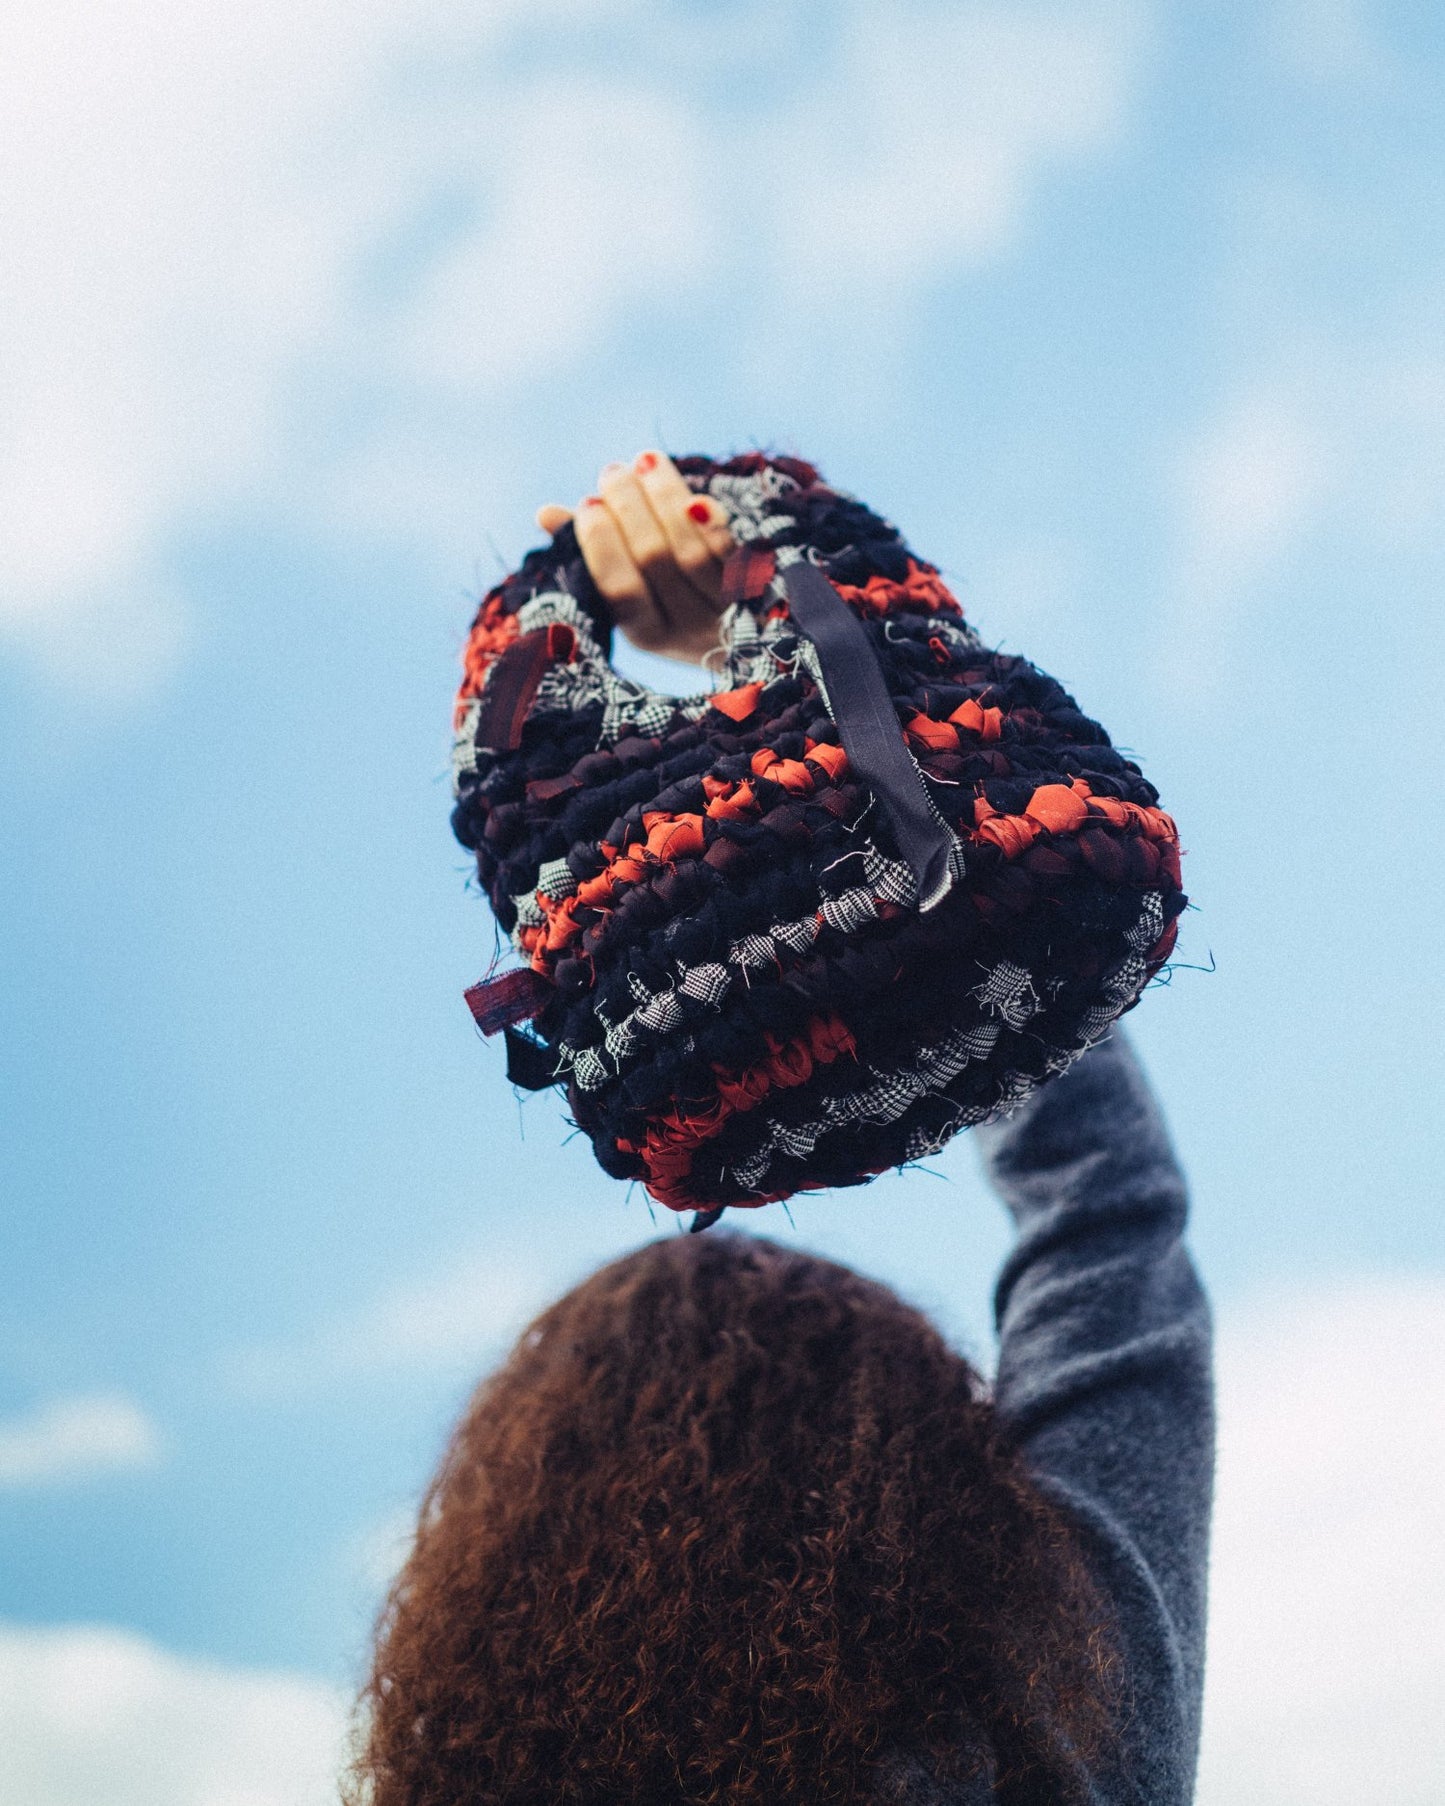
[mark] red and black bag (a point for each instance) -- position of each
(872, 889)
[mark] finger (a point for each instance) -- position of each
(551, 518)
(688, 631)
(620, 488)
(682, 517)
(689, 614)
(696, 528)
(615, 572)
(711, 520)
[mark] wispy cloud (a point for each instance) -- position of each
(170, 266)
(375, 1555)
(72, 1439)
(1327, 1623)
(453, 1323)
(1341, 445)
(885, 151)
(178, 276)
(98, 1714)
(1329, 41)
(1249, 487)
(1247, 491)
(921, 145)
(592, 198)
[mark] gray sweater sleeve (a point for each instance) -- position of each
(1105, 1375)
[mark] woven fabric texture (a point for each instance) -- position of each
(728, 966)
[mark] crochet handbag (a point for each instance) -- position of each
(871, 890)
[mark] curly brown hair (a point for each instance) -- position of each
(732, 1523)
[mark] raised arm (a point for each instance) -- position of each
(1104, 1373)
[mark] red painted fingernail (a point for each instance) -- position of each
(592, 501)
(647, 460)
(699, 511)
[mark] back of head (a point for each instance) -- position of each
(732, 1523)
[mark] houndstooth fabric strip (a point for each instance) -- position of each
(886, 1097)
(748, 501)
(706, 983)
(892, 1094)
(710, 983)
(1008, 992)
(555, 879)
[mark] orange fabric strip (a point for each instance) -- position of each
(737, 704)
(972, 716)
(731, 802)
(1064, 809)
(832, 759)
(672, 836)
(492, 633)
(792, 774)
(669, 837)
(937, 736)
(921, 588)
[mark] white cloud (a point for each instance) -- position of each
(167, 260)
(1347, 437)
(1249, 487)
(455, 1316)
(377, 1553)
(453, 1323)
(187, 192)
(1329, 41)
(902, 145)
(593, 198)
(919, 149)
(98, 1714)
(1341, 443)
(67, 1439)
(1247, 491)
(1327, 1624)
(198, 199)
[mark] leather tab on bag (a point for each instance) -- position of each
(512, 683)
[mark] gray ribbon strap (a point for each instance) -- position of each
(868, 725)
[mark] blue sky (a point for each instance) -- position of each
(1129, 315)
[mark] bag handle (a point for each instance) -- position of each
(868, 726)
